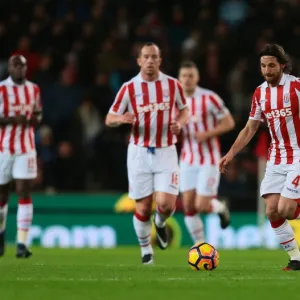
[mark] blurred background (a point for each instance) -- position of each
(80, 52)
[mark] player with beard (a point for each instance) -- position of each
(277, 101)
(20, 111)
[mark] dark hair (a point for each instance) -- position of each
(188, 64)
(278, 52)
(149, 44)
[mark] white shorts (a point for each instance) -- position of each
(148, 173)
(17, 166)
(281, 179)
(204, 179)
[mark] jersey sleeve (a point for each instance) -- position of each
(256, 112)
(37, 99)
(180, 99)
(121, 101)
(218, 107)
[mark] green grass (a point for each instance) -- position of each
(88, 274)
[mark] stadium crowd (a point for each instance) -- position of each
(80, 52)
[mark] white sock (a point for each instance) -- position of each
(161, 217)
(195, 227)
(142, 227)
(217, 206)
(24, 220)
(286, 237)
(3, 217)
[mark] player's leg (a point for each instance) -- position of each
(4, 196)
(24, 216)
(187, 186)
(271, 187)
(24, 171)
(283, 231)
(6, 163)
(208, 179)
(142, 226)
(192, 219)
(289, 202)
(166, 187)
(165, 208)
(141, 189)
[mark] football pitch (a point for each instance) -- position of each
(92, 274)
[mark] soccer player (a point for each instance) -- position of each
(200, 155)
(148, 102)
(276, 100)
(20, 111)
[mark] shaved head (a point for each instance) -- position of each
(17, 67)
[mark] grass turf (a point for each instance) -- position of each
(88, 274)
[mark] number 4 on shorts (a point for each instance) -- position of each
(296, 181)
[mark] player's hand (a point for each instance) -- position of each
(175, 127)
(127, 118)
(225, 160)
(20, 120)
(201, 136)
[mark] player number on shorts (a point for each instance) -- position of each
(31, 164)
(296, 181)
(174, 179)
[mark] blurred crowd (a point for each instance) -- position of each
(81, 51)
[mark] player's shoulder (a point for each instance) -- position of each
(292, 78)
(204, 91)
(207, 92)
(163, 76)
(6, 82)
(31, 84)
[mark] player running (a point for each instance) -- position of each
(200, 155)
(148, 102)
(20, 111)
(277, 101)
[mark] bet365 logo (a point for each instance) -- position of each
(153, 107)
(277, 113)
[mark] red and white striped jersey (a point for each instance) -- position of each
(279, 106)
(18, 100)
(154, 105)
(206, 109)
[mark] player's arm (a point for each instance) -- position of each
(183, 115)
(37, 115)
(224, 125)
(117, 115)
(245, 136)
(17, 120)
(225, 120)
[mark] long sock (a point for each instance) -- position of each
(286, 237)
(142, 227)
(217, 206)
(161, 216)
(3, 216)
(194, 226)
(24, 219)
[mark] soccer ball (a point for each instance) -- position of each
(204, 257)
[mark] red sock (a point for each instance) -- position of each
(278, 223)
(141, 218)
(190, 213)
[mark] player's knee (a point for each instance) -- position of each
(189, 208)
(144, 210)
(286, 212)
(272, 212)
(166, 208)
(202, 206)
(22, 192)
